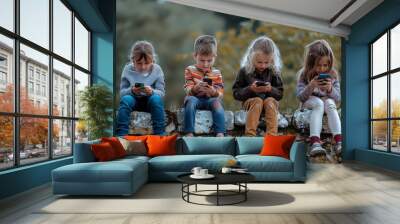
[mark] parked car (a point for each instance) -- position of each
(22, 155)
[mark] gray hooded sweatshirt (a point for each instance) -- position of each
(155, 79)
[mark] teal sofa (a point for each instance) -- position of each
(125, 176)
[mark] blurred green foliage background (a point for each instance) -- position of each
(172, 29)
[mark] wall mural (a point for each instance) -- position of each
(172, 29)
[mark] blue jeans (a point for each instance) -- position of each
(153, 104)
(193, 103)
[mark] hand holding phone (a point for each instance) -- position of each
(323, 76)
(208, 81)
(147, 90)
(138, 88)
(139, 85)
(259, 83)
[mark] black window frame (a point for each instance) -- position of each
(16, 114)
(388, 74)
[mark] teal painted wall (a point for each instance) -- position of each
(102, 59)
(103, 53)
(356, 94)
(24, 178)
(103, 62)
(99, 15)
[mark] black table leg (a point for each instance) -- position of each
(245, 193)
(188, 189)
(217, 194)
(182, 190)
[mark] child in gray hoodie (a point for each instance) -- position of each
(142, 89)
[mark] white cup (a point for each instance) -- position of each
(203, 172)
(196, 170)
(226, 170)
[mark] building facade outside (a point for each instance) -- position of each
(34, 82)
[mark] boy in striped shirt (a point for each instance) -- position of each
(204, 86)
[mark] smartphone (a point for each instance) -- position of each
(324, 76)
(139, 85)
(208, 81)
(258, 83)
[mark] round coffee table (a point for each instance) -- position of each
(238, 179)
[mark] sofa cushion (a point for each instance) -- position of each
(103, 152)
(83, 152)
(185, 163)
(278, 145)
(134, 147)
(249, 145)
(161, 145)
(118, 177)
(207, 145)
(93, 172)
(136, 137)
(112, 171)
(257, 163)
(116, 145)
(128, 159)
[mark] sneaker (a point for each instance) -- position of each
(189, 135)
(317, 149)
(337, 148)
(220, 135)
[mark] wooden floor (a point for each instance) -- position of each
(377, 188)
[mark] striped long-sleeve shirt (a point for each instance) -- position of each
(194, 75)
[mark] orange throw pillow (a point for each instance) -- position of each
(161, 145)
(103, 152)
(277, 145)
(116, 145)
(136, 137)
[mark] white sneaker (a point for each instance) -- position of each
(220, 135)
(338, 148)
(317, 149)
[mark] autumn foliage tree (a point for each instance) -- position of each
(33, 131)
(380, 127)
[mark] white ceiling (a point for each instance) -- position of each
(321, 9)
(324, 16)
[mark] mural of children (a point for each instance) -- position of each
(204, 86)
(318, 89)
(259, 85)
(142, 89)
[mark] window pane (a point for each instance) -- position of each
(62, 141)
(62, 29)
(33, 139)
(379, 55)
(34, 72)
(395, 136)
(81, 45)
(81, 131)
(6, 74)
(395, 95)
(6, 142)
(62, 89)
(7, 14)
(379, 135)
(35, 21)
(395, 47)
(379, 97)
(81, 81)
